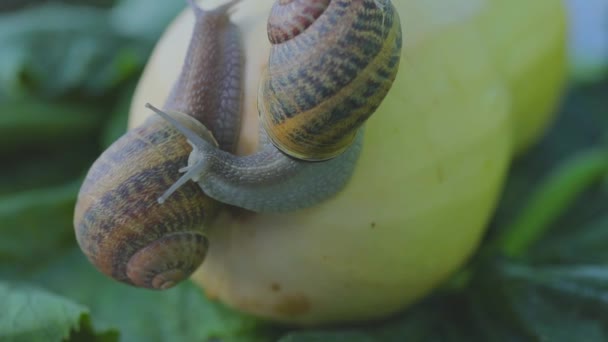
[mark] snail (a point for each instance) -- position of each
(118, 223)
(331, 65)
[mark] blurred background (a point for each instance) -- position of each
(67, 73)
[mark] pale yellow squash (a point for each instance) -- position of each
(478, 82)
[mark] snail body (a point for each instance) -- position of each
(118, 222)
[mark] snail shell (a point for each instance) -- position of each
(118, 221)
(331, 65)
(120, 226)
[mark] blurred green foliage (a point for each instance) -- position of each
(67, 73)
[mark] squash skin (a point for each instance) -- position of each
(474, 89)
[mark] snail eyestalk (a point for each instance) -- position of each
(193, 138)
(196, 166)
(191, 173)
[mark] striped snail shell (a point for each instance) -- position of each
(119, 224)
(331, 65)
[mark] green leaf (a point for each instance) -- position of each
(141, 21)
(544, 303)
(12, 5)
(36, 224)
(580, 126)
(34, 123)
(582, 243)
(180, 314)
(33, 169)
(56, 49)
(326, 336)
(31, 314)
(116, 126)
(554, 196)
(581, 282)
(53, 49)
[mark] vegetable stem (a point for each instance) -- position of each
(552, 197)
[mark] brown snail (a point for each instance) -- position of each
(331, 65)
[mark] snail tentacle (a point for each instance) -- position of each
(192, 137)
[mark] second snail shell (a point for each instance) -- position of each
(327, 73)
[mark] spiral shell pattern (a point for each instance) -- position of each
(122, 228)
(325, 78)
(119, 223)
(289, 18)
